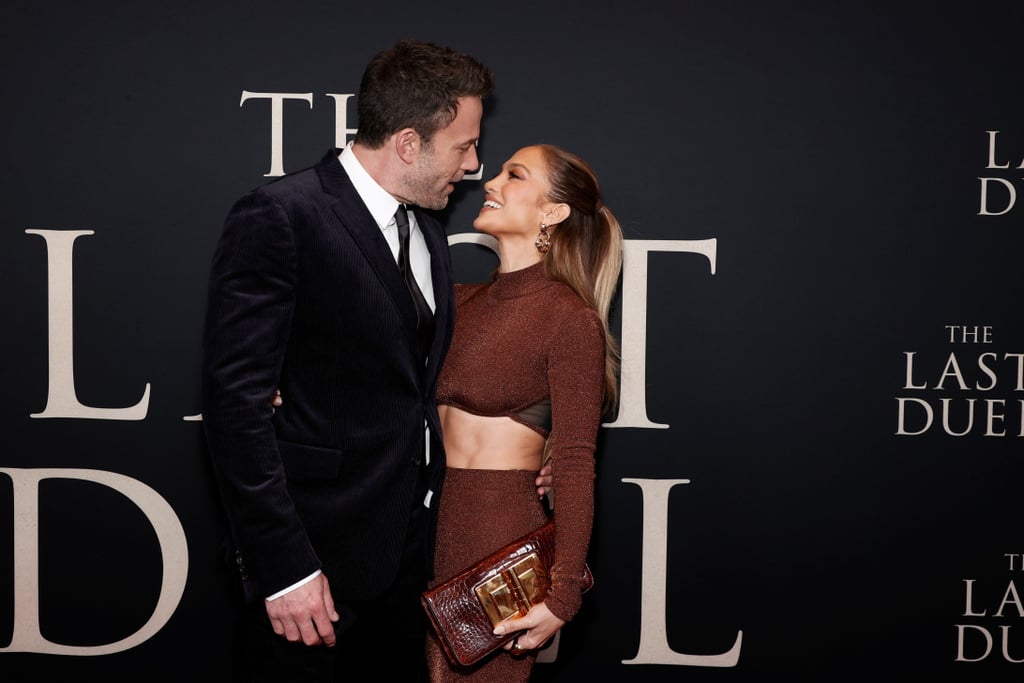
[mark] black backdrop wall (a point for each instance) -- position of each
(816, 468)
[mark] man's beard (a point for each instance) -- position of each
(424, 188)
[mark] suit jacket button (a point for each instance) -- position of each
(241, 567)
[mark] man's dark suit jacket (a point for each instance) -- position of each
(305, 295)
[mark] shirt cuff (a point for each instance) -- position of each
(292, 587)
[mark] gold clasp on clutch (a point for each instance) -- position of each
(512, 592)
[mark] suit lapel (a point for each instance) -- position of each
(355, 218)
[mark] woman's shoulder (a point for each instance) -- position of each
(572, 319)
(569, 302)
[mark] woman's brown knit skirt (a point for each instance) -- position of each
(480, 511)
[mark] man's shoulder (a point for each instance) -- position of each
(304, 179)
(290, 182)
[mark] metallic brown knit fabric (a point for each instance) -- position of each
(518, 340)
(480, 511)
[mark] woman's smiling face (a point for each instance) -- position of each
(515, 199)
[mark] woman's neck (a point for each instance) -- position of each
(516, 255)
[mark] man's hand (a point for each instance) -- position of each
(306, 613)
(544, 481)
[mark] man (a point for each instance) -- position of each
(331, 498)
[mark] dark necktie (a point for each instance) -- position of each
(424, 316)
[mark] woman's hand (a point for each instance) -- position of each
(277, 401)
(537, 627)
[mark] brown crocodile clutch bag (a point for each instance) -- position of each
(465, 609)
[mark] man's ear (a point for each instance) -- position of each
(407, 144)
(556, 213)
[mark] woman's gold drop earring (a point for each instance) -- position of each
(543, 242)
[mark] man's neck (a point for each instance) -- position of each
(380, 165)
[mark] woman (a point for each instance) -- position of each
(531, 369)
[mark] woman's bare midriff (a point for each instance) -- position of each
(489, 443)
